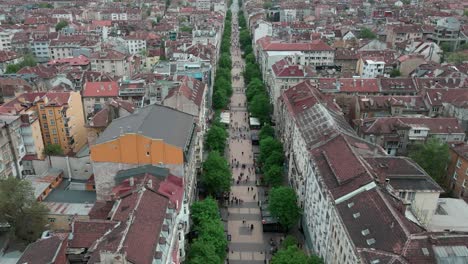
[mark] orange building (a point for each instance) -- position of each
(155, 135)
(457, 172)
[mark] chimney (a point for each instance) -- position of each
(150, 183)
(132, 181)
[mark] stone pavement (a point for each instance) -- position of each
(247, 245)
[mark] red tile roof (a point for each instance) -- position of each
(456, 97)
(286, 68)
(75, 61)
(6, 56)
(85, 233)
(398, 85)
(267, 44)
(101, 89)
(43, 251)
(359, 85)
(387, 125)
(190, 88)
(40, 70)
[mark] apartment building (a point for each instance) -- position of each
(112, 62)
(203, 5)
(371, 67)
(40, 47)
(314, 53)
(6, 35)
(396, 134)
(143, 193)
(154, 134)
(448, 30)
(357, 201)
(12, 149)
(64, 46)
(97, 94)
(457, 171)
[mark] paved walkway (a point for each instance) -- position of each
(247, 245)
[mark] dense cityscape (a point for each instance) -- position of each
(233, 131)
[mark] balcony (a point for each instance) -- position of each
(132, 92)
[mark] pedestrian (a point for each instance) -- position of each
(251, 227)
(255, 195)
(248, 189)
(243, 221)
(242, 153)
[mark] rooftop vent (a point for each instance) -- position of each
(365, 232)
(356, 215)
(350, 205)
(370, 241)
(375, 261)
(425, 251)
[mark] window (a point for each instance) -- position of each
(464, 183)
(52, 122)
(44, 116)
(51, 112)
(54, 131)
(459, 163)
(56, 141)
(411, 196)
(455, 176)
(51, 220)
(417, 131)
(402, 195)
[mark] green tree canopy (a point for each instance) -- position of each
(19, 208)
(266, 131)
(268, 146)
(220, 99)
(216, 138)
(275, 158)
(283, 205)
(395, 73)
(433, 157)
(60, 25)
(367, 34)
(260, 107)
(202, 253)
(53, 149)
(250, 58)
(273, 175)
(28, 61)
(204, 209)
(216, 176)
(293, 255)
(457, 57)
(289, 241)
(225, 61)
(251, 71)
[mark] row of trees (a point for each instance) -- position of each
(211, 242)
(289, 253)
(222, 88)
(257, 96)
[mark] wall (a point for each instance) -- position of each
(80, 168)
(456, 185)
(62, 222)
(37, 136)
(424, 206)
(77, 121)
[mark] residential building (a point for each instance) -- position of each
(64, 46)
(313, 53)
(136, 43)
(6, 35)
(46, 250)
(62, 120)
(404, 33)
(359, 205)
(203, 5)
(380, 106)
(98, 122)
(7, 58)
(140, 139)
(97, 94)
(151, 197)
(395, 134)
(457, 171)
(40, 47)
(133, 91)
(448, 31)
(446, 102)
(408, 63)
(111, 61)
(12, 149)
(347, 59)
(370, 67)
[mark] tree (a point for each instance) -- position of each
(45, 5)
(185, 29)
(225, 61)
(220, 99)
(60, 25)
(268, 146)
(446, 47)
(266, 131)
(289, 241)
(202, 253)
(53, 149)
(267, 5)
(273, 175)
(275, 158)
(21, 210)
(367, 34)
(293, 255)
(216, 176)
(260, 107)
(283, 205)
(395, 73)
(205, 209)
(12, 68)
(457, 57)
(216, 138)
(433, 157)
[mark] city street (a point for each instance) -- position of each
(248, 243)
